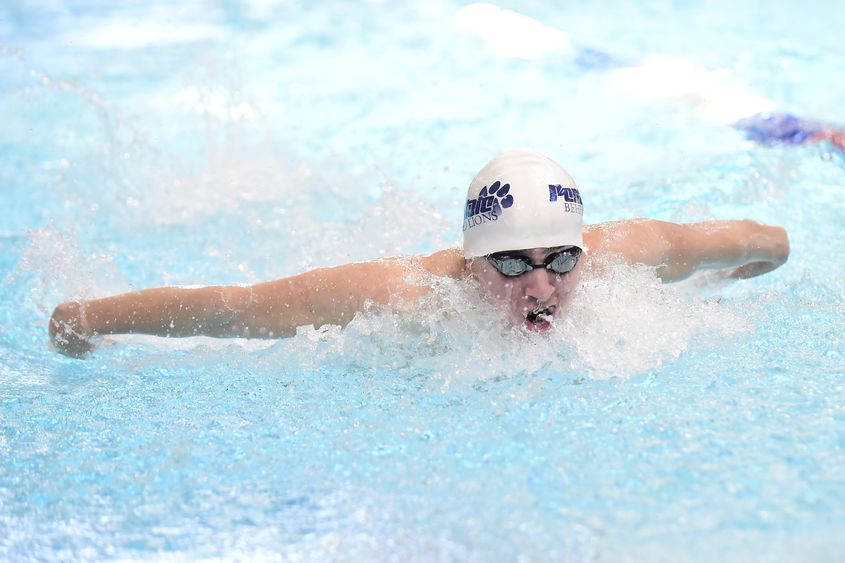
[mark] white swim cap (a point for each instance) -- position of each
(520, 200)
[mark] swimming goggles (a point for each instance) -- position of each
(513, 265)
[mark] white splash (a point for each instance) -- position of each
(511, 34)
(61, 271)
(623, 322)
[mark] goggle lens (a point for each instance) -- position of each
(510, 265)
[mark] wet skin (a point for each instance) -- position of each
(333, 296)
(538, 290)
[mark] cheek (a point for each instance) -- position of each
(506, 291)
(493, 284)
(497, 288)
(569, 283)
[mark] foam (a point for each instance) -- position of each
(623, 322)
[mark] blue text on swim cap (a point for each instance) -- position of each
(570, 196)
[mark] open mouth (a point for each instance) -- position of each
(540, 315)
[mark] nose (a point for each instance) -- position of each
(538, 284)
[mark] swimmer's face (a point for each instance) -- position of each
(534, 299)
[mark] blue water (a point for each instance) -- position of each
(147, 145)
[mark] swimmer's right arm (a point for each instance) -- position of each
(326, 296)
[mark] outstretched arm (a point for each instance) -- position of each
(677, 251)
(265, 310)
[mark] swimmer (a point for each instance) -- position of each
(523, 241)
(787, 129)
(514, 35)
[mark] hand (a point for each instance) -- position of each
(837, 138)
(68, 330)
(768, 249)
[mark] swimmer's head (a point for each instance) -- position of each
(521, 199)
(522, 236)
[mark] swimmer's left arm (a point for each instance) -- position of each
(745, 248)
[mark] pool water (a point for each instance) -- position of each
(146, 144)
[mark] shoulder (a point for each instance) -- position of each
(448, 263)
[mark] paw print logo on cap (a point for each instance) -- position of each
(492, 199)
